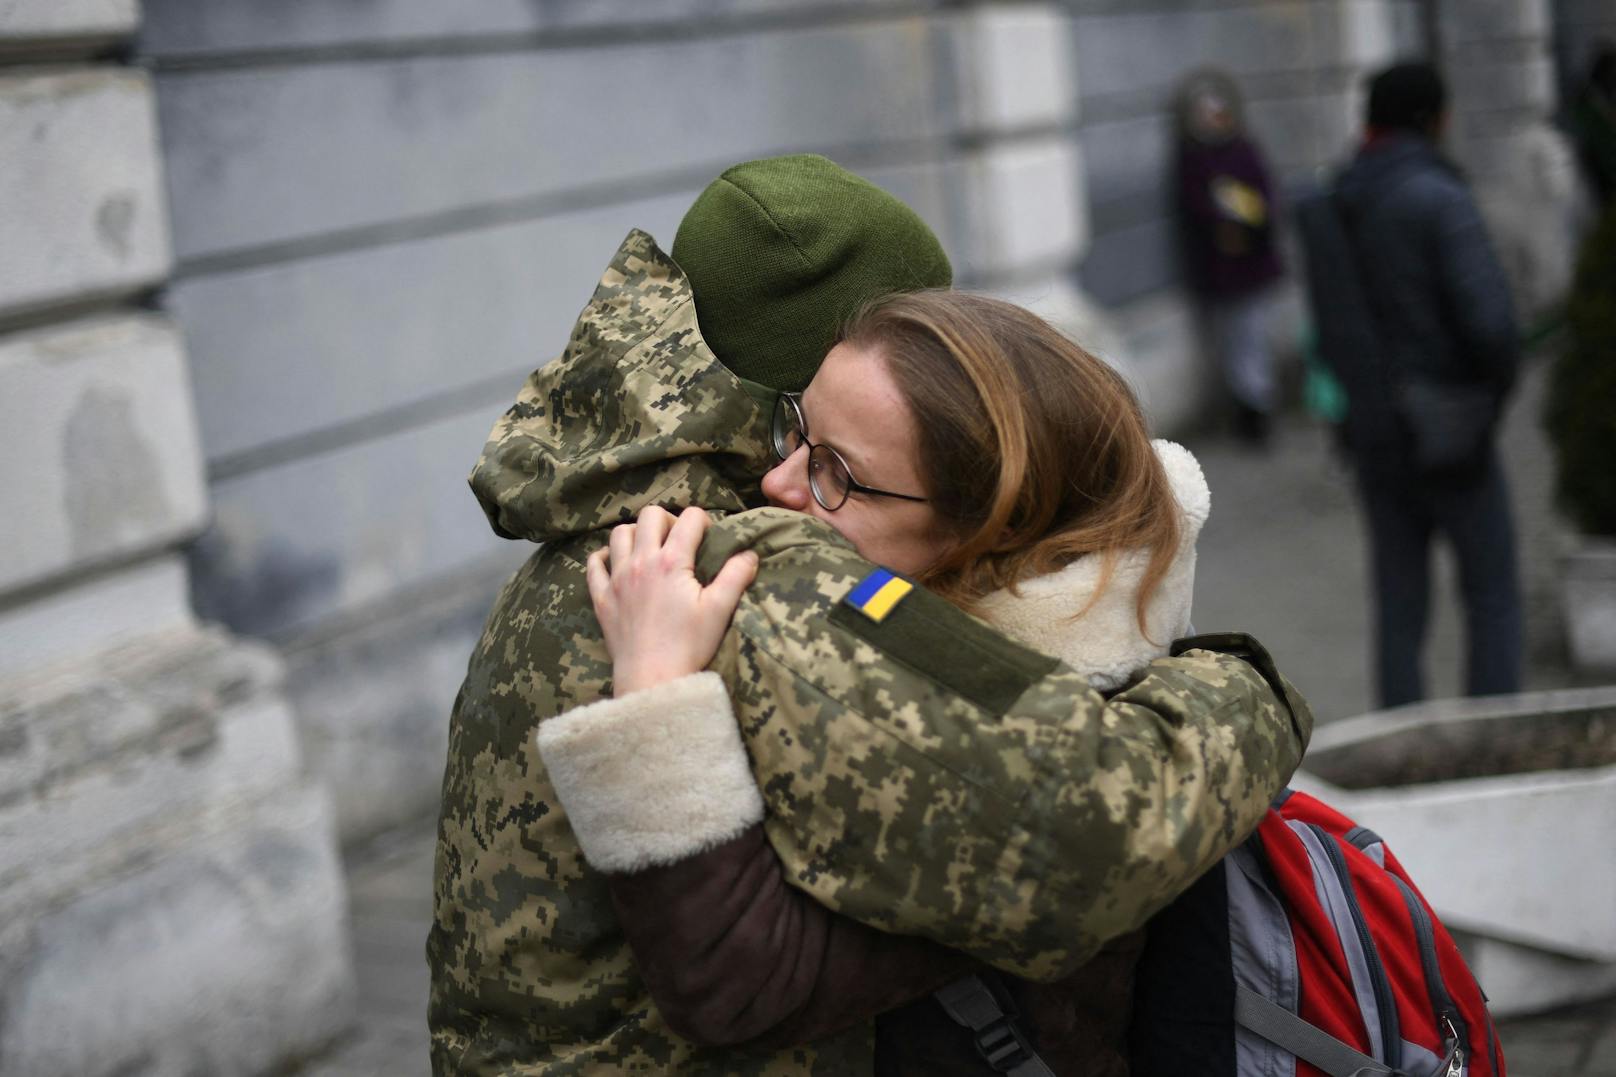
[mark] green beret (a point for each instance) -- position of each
(780, 252)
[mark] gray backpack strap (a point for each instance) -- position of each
(1308, 1042)
(999, 1040)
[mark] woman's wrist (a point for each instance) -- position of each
(628, 678)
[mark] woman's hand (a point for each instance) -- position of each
(660, 623)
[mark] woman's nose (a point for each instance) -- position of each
(786, 483)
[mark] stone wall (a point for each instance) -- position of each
(386, 214)
(170, 896)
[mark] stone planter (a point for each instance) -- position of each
(1504, 811)
(1588, 595)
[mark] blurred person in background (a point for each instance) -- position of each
(1226, 214)
(1415, 318)
(1593, 123)
(889, 797)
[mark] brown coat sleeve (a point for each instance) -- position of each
(733, 954)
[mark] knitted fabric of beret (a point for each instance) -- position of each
(781, 251)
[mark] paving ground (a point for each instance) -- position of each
(390, 896)
(1282, 557)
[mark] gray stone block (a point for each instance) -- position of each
(1029, 208)
(92, 614)
(81, 204)
(130, 750)
(182, 27)
(295, 543)
(1129, 262)
(170, 896)
(1129, 164)
(1014, 66)
(1130, 53)
(229, 956)
(1528, 184)
(1408, 30)
(289, 350)
(1481, 20)
(265, 155)
(285, 350)
(26, 21)
(1526, 83)
(98, 448)
(1363, 33)
(373, 701)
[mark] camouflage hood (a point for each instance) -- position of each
(637, 411)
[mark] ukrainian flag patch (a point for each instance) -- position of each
(878, 594)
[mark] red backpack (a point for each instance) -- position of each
(1308, 951)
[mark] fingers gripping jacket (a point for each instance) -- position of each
(629, 816)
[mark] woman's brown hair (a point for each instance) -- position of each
(1035, 450)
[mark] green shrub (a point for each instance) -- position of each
(1580, 412)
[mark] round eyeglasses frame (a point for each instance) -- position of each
(789, 431)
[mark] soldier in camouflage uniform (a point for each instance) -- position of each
(923, 775)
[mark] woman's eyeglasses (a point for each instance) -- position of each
(829, 478)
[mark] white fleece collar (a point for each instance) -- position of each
(1105, 643)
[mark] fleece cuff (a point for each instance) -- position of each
(653, 777)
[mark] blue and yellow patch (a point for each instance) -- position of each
(878, 594)
(942, 643)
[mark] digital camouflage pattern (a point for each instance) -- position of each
(1026, 834)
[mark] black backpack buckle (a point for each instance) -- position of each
(1001, 1046)
(998, 1039)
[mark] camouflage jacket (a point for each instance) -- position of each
(922, 774)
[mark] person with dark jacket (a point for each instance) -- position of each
(1415, 317)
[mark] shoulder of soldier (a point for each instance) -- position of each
(1222, 669)
(548, 593)
(812, 585)
(775, 535)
